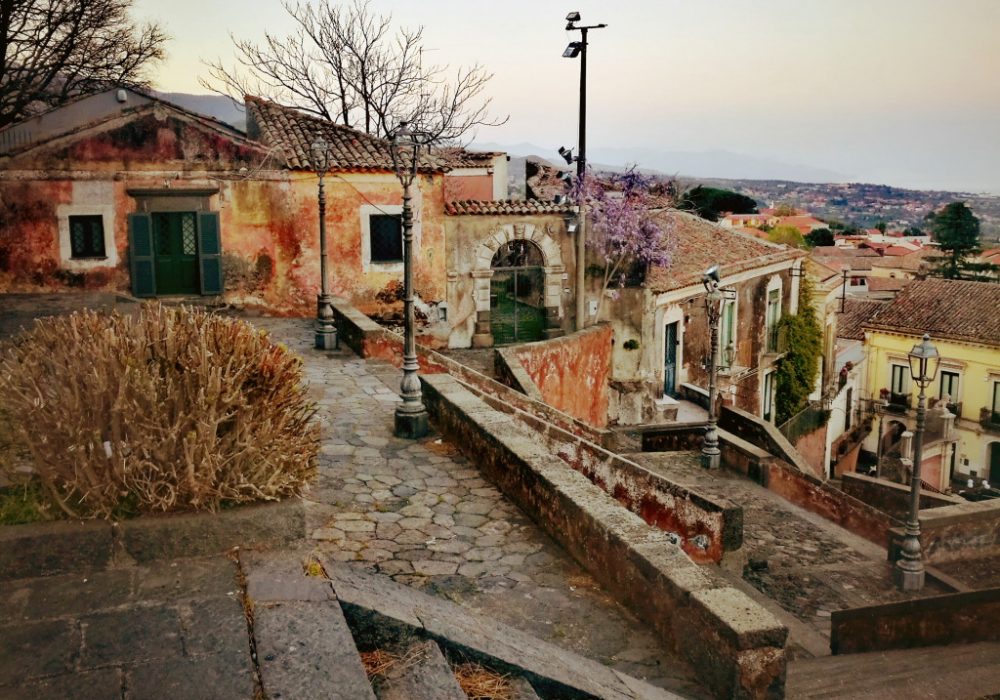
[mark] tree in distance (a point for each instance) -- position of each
(712, 202)
(956, 230)
(789, 235)
(349, 65)
(820, 236)
(55, 50)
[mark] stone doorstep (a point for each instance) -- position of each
(381, 611)
(61, 547)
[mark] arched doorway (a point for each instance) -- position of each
(517, 293)
(993, 455)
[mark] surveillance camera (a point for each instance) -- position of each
(573, 17)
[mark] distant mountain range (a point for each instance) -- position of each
(217, 106)
(718, 164)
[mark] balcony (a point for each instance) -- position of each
(775, 341)
(990, 419)
(899, 403)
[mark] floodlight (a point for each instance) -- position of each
(573, 50)
(573, 17)
(567, 154)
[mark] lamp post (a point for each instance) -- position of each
(880, 406)
(713, 308)
(574, 49)
(326, 329)
(924, 360)
(411, 416)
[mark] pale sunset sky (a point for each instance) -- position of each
(901, 92)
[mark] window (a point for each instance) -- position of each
(950, 388)
(386, 231)
(727, 335)
(768, 395)
(86, 236)
(995, 413)
(899, 388)
(772, 319)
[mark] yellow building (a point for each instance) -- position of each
(963, 320)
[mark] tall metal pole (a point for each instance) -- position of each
(326, 330)
(581, 169)
(911, 563)
(881, 439)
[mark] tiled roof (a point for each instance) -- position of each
(701, 244)
(856, 313)
(846, 262)
(911, 261)
(949, 309)
(523, 207)
(844, 251)
(886, 284)
(461, 158)
(293, 132)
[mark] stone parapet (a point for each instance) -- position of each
(736, 643)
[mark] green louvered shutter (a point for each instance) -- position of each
(210, 253)
(140, 253)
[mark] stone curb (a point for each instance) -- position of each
(52, 548)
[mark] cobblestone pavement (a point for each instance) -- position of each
(806, 565)
(975, 573)
(420, 513)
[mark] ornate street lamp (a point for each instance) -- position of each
(713, 308)
(326, 329)
(411, 415)
(924, 361)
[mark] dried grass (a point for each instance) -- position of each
(378, 661)
(480, 683)
(172, 409)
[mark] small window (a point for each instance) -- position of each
(949, 386)
(86, 236)
(727, 330)
(386, 238)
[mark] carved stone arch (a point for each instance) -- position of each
(482, 273)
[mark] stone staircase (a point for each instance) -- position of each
(958, 672)
(309, 632)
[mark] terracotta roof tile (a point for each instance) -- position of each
(522, 207)
(293, 132)
(911, 261)
(951, 309)
(701, 244)
(886, 284)
(856, 313)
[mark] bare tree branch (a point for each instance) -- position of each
(54, 50)
(345, 63)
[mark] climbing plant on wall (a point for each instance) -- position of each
(795, 378)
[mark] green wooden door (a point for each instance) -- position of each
(175, 251)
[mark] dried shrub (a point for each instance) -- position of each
(170, 409)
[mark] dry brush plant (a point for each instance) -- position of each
(170, 409)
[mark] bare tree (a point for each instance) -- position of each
(53, 50)
(348, 65)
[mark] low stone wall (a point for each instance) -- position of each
(956, 618)
(759, 432)
(675, 437)
(508, 370)
(805, 490)
(63, 547)
(950, 533)
(370, 340)
(890, 497)
(572, 372)
(736, 644)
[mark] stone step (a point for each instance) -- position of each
(423, 674)
(959, 672)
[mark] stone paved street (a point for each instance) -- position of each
(420, 513)
(813, 567)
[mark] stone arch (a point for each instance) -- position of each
(482, 274)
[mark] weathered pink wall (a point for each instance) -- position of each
(572, 372)
(812, 447)
(458, 188)
(268, 217)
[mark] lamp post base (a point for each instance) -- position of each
(909, 579)
(326, 338)
(710, 460)
(411, 425)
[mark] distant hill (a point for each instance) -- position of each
(215, 106)
(689, 164)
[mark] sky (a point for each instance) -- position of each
(901, 92)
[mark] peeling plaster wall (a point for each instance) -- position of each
(268, 218)
(572, 372)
